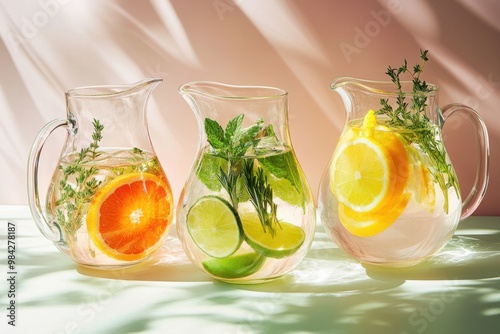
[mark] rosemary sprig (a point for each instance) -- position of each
(261, 196)
(229, 181)
(422, 129)
(74, 198)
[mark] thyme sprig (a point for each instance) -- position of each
(74, 198)
(422, 130)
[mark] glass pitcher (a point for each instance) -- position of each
(109, 203)
(246, 213)
(390, 195)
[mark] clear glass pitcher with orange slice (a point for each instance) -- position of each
(390, 195)
(109, 203)
(246, 213)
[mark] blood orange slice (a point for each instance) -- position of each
(129, 216)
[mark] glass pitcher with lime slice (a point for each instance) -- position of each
(109, 203)
(246, 213)
(390, 195)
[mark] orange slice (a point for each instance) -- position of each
(393, 143)
(129, 216)
(370, 224)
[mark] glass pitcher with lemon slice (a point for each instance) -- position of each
(390, 195)
(109, 203)
(246, 213)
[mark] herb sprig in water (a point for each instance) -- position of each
(72, 204)
(232, 144)
(422, 129)
(79, 182)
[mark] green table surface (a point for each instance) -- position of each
(457, 291)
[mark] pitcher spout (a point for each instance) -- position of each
(223, 102)
(145, 85)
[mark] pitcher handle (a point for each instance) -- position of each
(478, 190)
(50, 231)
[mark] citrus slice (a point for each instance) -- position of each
(128, 217)
(426, 194)
(235, 266)
(361, 175)
(370, 224)
(393, 143)
(286, 241)
(214, 226)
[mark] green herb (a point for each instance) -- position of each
(208, 170)
(261, 196)
(74, 199)
(231, 144)
(229, 181)
(234, 142)
(423, 130)
(283, 166)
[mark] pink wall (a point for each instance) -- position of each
(50, 46)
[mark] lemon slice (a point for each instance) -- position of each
(214, 226)
(286, 241)
(361, 174)
(235, 266)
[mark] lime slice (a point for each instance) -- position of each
(286, 241)
(214, 226)
(235, 266)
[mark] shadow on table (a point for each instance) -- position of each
(457, 291)
(328, 292)
(169, 264)
(471, 254)
(464, 258)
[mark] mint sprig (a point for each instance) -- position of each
(231, 144)
(234, 141)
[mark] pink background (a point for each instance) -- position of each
(50, 46)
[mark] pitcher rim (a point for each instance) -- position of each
(370, 86)
(120, 88)
(189, 88)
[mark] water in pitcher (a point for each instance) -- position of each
(404, 204)
(113, 185)
(253, 246)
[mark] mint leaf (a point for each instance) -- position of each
(269, 131)
(233, 129)
(283, 166)
(247, 138)
(215, 134)
(208, 170)
(249, 134)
